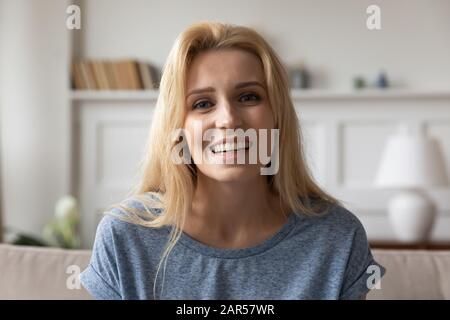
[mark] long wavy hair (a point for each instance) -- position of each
(166, 189)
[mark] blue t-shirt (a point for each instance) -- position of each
(324, 257)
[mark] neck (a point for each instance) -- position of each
(230, 213)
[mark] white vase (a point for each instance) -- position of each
(412, 214)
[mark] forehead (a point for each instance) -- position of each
(223, 67)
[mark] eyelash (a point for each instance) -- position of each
(257, 98)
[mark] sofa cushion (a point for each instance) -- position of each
(51, 273)
(41, 273)
(413, 274)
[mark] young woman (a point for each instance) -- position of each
(219, 230)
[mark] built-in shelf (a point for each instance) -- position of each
(138, 95)
(370, 94)
(134, 95)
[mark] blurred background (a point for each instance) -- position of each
(79, 82)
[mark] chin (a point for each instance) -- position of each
(232, 173)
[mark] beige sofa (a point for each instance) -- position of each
(48, 273)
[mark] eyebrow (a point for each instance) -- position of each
(238, 86)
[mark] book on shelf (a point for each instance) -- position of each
(101, 74)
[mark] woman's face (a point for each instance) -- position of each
(226, 91)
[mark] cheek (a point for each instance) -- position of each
(261, 118)
(194, 130)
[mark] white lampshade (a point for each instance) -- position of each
(411, 161)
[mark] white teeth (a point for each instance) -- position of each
(225, 147)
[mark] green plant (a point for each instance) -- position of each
(61, 231)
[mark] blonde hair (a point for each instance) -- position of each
(167, 187)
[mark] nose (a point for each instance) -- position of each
(228, 116)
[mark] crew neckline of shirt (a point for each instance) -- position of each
(223, 253)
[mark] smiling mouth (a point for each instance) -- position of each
(229, 147)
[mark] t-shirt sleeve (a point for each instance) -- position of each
(363, 272)
(100, 278)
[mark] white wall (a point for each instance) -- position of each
(35, 114)
(344, 140)
(331, 36)
(413, 44)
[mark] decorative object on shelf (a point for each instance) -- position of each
(359, 82)
(412, 164)
(382, 80)
(300, 77)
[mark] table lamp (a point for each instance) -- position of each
(412, 164)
